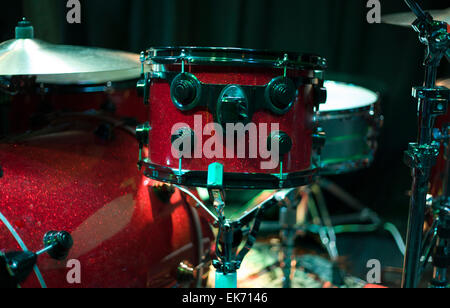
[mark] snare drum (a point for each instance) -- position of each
(351, 120)
(193, 93)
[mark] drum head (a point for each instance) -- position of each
(342, 96)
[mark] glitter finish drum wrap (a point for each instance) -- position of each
(31, 109)
(125, 234)
(298, 122)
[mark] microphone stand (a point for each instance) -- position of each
(421, 156)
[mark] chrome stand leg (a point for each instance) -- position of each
(288, 221)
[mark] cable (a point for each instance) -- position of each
(392, 229)
(190, 194)
(389, 227)
(24, 248)
(199, 236)
(355, 204)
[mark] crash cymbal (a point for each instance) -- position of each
(406, 19)
(443, 83)
(62, 64)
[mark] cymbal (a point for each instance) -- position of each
(406, 19)
(443, 83)
(66, 64)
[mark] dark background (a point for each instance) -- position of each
(381, 57)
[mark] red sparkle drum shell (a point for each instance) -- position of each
(298, 122)
(126, 234)
(31, 109)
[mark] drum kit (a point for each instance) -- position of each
(208, 122)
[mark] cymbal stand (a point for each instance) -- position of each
(421, 156)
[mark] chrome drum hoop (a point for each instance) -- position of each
(158, 56)
(231, 180)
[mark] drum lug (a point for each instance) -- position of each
(320, 95)
(281, 94)
(181, 138)
(143, 88)
(285, 145)
(284, 141)
(142, 135)
(185, 91)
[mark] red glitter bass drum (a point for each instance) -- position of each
(191, 88)
(39, 103)
(127, 230)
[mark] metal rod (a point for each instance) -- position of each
(417, 10)
(411, 269)
(46, 249)
(288, 232)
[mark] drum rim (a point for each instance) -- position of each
(351, 111)
(235, 56)
(231, 180)
(50, 88)
(372, 110)
(348, 166)
(367, 111)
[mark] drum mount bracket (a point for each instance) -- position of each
(230, 234)
(422, 157)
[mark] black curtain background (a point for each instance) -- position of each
(381, 57)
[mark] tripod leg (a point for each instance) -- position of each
(288, 221)
(328, 237)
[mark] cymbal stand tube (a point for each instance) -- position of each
(421, 156)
